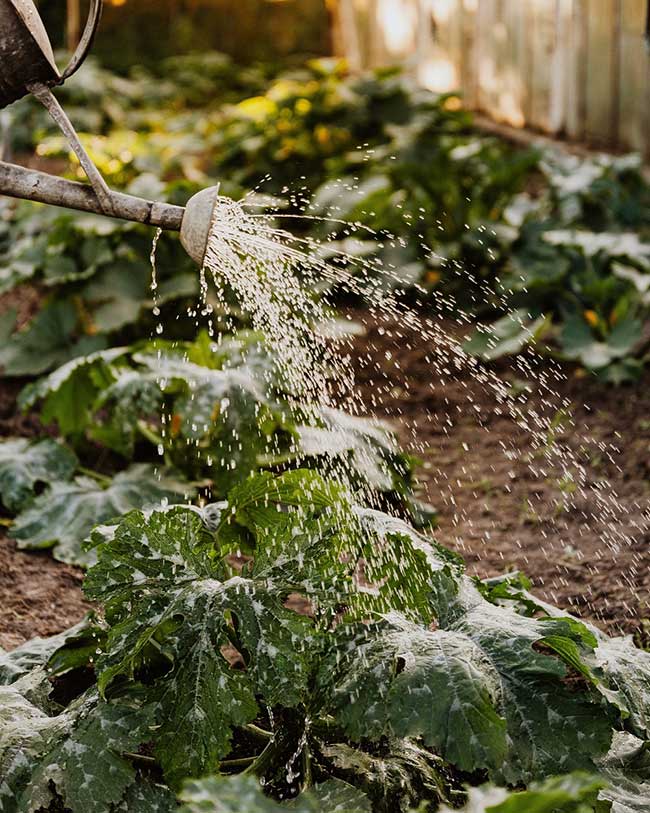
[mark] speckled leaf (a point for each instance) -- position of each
(34, 653)
(553, 727)
(397, 678)
(66, 513)
(402, 568)
(25, 732)
(479, 692)
(626, 670)
(25, 464)
(399, 776)
(78, 752)
(306, 532)
(160, 582)
(363, 451)
(150, 552)
(147, 797)
(227, 410)
(573, 793)
(68, 394)
(627, 771)
(236, 794)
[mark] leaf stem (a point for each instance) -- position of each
(141, 758)
(102, 479)
(148, 433)
(307, 780)
(242, 762)
(258, 732)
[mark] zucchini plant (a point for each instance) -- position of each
(291, 641)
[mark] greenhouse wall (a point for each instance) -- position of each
(569, 68)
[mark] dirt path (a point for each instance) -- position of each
(504, 508)
(38, 596)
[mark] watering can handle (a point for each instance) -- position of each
(94, 14)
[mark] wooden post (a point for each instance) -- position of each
(73, 27)
(634, 96)
(346, 33)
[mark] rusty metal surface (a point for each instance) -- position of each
(22, 60)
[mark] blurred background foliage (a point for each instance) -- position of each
(539, 245)
(142, 32)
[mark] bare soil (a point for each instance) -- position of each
(500, 506)
(503, 506)
(38, 596)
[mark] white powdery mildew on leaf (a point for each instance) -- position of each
(24, 464)
(65, 515)
(193, 611)
(78, 752)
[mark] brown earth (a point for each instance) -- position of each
(38, 596)
(504, 506)
(501, 504)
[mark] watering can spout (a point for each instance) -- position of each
(193, 222)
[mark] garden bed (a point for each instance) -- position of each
(493, 512)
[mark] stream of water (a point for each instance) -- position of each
(273, 276)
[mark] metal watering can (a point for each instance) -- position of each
(27, 66)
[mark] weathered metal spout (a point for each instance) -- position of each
(193, 222)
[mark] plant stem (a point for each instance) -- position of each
(236, 763)
(141, 758)
(102, 479)
(258, 732)
(307, 780)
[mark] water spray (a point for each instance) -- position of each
(27, 66)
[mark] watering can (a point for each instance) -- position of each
(27, 65)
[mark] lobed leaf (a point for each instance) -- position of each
(238, 793)
(25, 464)
(64, 515)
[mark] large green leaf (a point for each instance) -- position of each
(243, 793)
(304, 530)
(64, 515)
(627, 771)
(397, 776)
(147, 797)
(508, 335)
(626, 671)
(479, 691)
(397, 678)
(78, 754)
(50, 339)
(160, 579)
(68, 394)
(360, 451)
(579, 342)
(573, 793)
(34, 653)
(549, 721)
(25, 464)
(225, 413)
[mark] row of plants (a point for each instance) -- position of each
(272, 631)
(539, 247)
(286, 645)
(183, 416)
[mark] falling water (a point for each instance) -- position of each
(274, 277)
